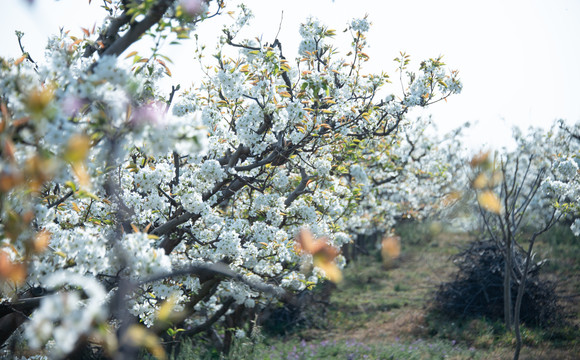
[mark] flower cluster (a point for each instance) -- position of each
(360, 25)
(562, 183)
(312, 33)
(63, 316)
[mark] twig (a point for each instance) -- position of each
(61, 200)
(19, 35)
(174, 89)
(279, 27)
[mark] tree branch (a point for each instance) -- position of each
(212, 320)
(137, 29)
(217, 269)
(61, 200)
(299, 189)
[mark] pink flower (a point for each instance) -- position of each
(72, 104)
(192, 7)
(151, 113)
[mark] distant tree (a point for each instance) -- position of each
(522, 194)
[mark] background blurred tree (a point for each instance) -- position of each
(522, 194)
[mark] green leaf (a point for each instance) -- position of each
(83, 194)
(71, 185)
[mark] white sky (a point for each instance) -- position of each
(519, 60)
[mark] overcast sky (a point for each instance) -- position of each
(519, 60)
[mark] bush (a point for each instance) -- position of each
(477, 290)
(306, 309)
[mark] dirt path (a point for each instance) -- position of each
(374, 305)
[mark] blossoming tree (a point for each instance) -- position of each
(563, 183)
(522, 194)
(126, 204)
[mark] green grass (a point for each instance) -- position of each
(352, 349)
(295, 349)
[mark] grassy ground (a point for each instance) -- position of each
(388, 314)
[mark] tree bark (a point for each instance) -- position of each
(507, 293)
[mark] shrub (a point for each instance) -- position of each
(477, 289)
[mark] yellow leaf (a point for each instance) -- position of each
(77, 148)
(167, 71)
(83, 193)
(323, 254)
(9, 181)
(391, 247)
(138, 335)
(132, 53)
(166, 308)
(330, 269)
(19, 60)
(76, 42)
(135, 228)
(479, 159)
(75, 207)
(41, 241)
(489, 201)
(480, 181)
(38, 100)
(15, 272)
(83, 176)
